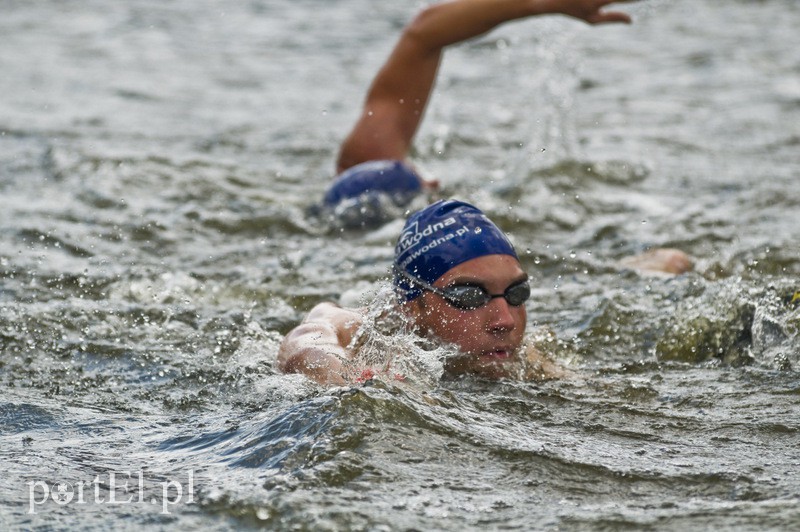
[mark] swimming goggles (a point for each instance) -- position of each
(470, 296)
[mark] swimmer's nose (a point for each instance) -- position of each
(500, 315)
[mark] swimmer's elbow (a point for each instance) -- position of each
(424, 29)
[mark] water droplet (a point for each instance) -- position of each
(478, 230)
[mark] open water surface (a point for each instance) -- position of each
(156, 163)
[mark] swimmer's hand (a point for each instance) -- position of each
(660, 260)
(321, 367)
(590, 11)
(317, 348)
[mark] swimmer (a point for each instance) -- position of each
(372, 162)
(457, 279)
(376, 181)
(466, 289)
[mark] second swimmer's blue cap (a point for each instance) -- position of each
(366, 195)
(439, 238)
(392, 178)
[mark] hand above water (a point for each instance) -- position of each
(396, 101)
(590, 11)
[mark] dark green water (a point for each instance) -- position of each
(156, 162)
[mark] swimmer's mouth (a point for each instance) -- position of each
(497, 354)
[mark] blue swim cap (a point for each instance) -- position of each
(366, 181)
(370, 194)
(440, 237)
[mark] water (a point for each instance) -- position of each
(156, 162)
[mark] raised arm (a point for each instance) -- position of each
(396, 100)
(318, 346)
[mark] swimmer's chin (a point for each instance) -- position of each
(492, 364)
(523, 364)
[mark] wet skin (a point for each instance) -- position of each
(487, 337)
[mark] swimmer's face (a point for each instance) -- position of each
(488, 336)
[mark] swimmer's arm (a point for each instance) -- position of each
(396, 100)
(318, 346)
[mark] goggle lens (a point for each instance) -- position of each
(470, 297)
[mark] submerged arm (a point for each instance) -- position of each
(317, 347)
(396, 100)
